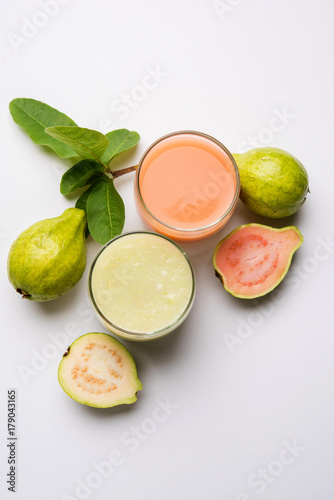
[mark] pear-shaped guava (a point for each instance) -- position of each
(49, 258)
(273, 182)
(253, 259)
(97, 370)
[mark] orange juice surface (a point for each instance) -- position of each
(186, 181)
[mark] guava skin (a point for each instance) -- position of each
(273, 182)
(49, 258)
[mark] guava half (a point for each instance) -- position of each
(253, 259)
(273, 182)
(97, 370)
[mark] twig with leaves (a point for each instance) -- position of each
(102, 203)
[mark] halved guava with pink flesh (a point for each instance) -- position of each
(97, 370)
(253, 259)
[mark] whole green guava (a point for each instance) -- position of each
(273, 182)
(49, 258)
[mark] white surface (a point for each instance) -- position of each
(234, 412)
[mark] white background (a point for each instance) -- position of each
(226, 71)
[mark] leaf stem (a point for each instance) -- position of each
(100, 163)
(122, 171)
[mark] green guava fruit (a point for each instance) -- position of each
(273, 182)
(97, 370)
(49, 257)
(253, 259)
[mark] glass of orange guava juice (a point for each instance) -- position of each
(187, 185)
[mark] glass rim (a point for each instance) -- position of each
(133, 333)
(221, 146)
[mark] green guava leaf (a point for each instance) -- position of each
(105, 212)
(34, 116)
(119, 141)
(82, 200)
(89, 144)
(82, 173)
